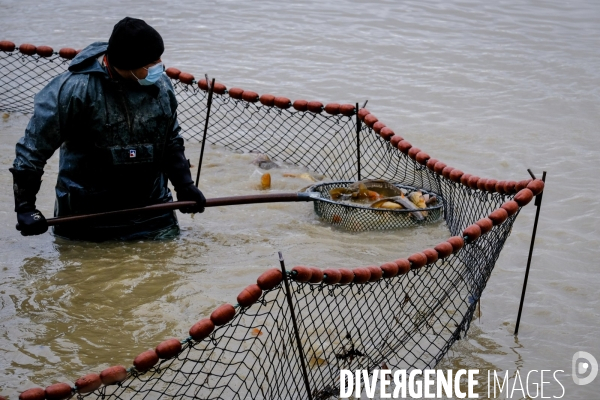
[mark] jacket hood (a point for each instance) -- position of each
(87, 60)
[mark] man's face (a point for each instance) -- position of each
(138, 73)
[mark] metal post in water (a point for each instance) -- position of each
(358, 127)
(210, 95)
(288, 295)
(538, 203)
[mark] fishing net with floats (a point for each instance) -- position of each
(280, 344)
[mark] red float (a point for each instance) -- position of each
(444, 249)
(485, 224)
(45, 51)
(315, 107)
(511, 207)
(222, 314)
(361, 275)
(457, 243)
(301, 273)
(347, 276)
(376, 273)
(332, 276)
(171, 72)
(112, 375)
(269, 279)
(389, 269)
(301, 105)
(347, 109)
(27, 49)
(417, 260)
(249, 295)
(332, 108)
(472, 233)
(88, 383)
(186, 78)
(282, 102)
(6, 45)
(236, 93)
(144, 361)
(498, 216)
(202, 329)
(403, 266)
(168, 349)
(317, 275)
(250, 96)
(523, 197)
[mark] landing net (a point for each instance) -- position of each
(402, 322)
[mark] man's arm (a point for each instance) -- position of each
(178, 171)
(176, 165)
(54, 108)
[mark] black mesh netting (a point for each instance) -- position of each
(408, 321)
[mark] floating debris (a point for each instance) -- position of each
(256, 332)
(265, 181)
(304, 175)
(263, 161)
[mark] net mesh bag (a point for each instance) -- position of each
(358, 218)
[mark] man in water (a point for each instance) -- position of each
(113, 115)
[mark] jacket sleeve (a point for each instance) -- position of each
(175, 142)
(57, 108)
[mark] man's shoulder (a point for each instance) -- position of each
(167, 91)
(68, 85)
(70, 80)
(164, 83)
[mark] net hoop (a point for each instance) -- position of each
(358, 218)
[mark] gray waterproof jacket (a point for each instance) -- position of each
(114, 136)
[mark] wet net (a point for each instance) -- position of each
(292, 344)
(359, 218)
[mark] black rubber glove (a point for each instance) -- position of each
(191, 193)
(177, 169)
(31, 223)
(26, 184)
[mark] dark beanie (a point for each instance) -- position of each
(133, 44)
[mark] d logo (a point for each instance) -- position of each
(584, 362)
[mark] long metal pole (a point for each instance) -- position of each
(210, 96)
(175, 205)
(538, 203)
(288, 294)
(358, 127)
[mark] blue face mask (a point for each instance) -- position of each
(154, 73)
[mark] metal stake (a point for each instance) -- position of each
(288, 294)
(538, 203)
(358, 127)
(210, 95)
